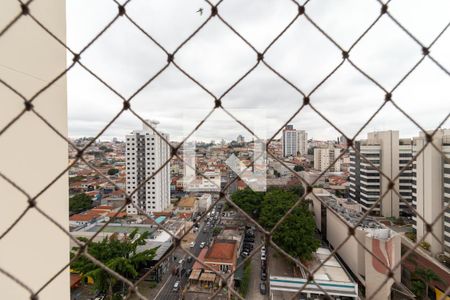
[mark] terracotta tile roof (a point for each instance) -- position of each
(75, 279)
(222, 250)
(85, 217)
(122, 214)
(103, 207)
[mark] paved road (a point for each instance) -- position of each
(255, 275)
(167, 292)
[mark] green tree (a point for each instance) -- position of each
(113, 171)
(79, 202)
(216, 231)
(245, 283)
(120, 256)
(299, 190)
(298, 168)
(418, 288)
(249, 201)
(426, 276)
(296, 234)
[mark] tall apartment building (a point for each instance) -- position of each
(294, 142)
(145, 153)
(405, 149)
(383, 150)
(324, 157)
(431, 190)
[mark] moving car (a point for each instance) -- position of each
(176, 286)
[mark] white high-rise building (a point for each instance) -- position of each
(367, 185)
(324, 157)
(431, 190)
(145, 153)
(294, 142)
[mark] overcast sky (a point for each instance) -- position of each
(216, 57)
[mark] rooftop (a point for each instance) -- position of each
(222, 250)
(187, 202)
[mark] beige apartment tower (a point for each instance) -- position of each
(324, 157)
(388, 154)
(431, 190)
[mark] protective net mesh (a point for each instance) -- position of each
(214, 12)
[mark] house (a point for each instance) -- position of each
(187, 205)
(222, 255)
(84, 218)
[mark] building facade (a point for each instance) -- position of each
(146, 152)
(324, 157)
(367, 185)
(294, 142)
(431, 190)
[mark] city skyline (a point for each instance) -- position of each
(225, 60)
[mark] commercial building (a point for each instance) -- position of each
(146, 152)
(325, 157)
(294, 142)
(331, 278)
(431, 190)
(367, 185)
(367, 254)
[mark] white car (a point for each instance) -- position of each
(192, 245)
(202, 245)
(263, 256)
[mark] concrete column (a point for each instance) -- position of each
(31, 154)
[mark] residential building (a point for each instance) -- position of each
(204, 202)
(325, 157)
(187, 205)
(367, 184)
(240, 139)
(294, 142)
(431, 190)
(146, 152)
(222, 255)
(405, 180)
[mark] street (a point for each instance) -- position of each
(166, 291)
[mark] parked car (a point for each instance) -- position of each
(192, 244)
(263, 275)
(202, 245)
(189, 259)
(176, 286)
(244, 254)
(263, 256)
(262, 288)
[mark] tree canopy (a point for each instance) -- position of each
(79, 203)
(249, 201)
(113, 171)
(296, 234)
(298, 168)
(120, 256)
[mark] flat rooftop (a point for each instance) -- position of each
(331, 270)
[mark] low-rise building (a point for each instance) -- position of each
(187, 205)
(204, 202)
